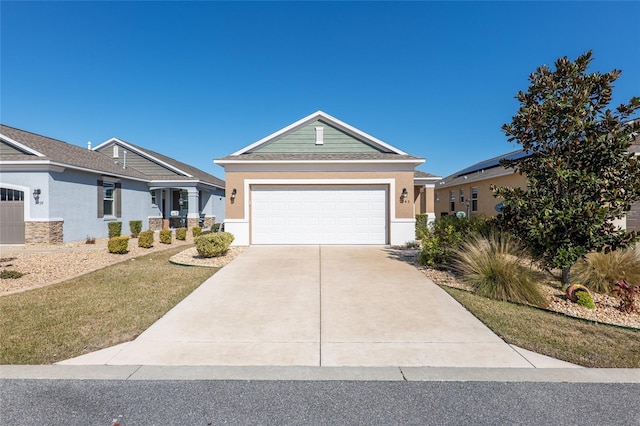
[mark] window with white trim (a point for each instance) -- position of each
(474, 198)
(108, 197)
(452, 201)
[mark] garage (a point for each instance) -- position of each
(11, 216)
(319, 214)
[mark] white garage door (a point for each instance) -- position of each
(318, 215)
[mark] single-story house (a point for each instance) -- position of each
(320, 181)
(468, 191)
(54, 192)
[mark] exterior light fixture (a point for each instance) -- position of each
(233, 194)
(404, 195)
(36, 194)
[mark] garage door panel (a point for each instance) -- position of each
(318, 215)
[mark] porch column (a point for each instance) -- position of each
(193, 216)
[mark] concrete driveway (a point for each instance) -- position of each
(317, 306)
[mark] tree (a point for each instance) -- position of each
(580, 175)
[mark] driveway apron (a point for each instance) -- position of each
(319, 306)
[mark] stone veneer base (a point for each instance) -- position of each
(43, 232)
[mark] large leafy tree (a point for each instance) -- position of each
(580, 174)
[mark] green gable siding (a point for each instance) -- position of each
(138, 162)
(303, 141)
(6, 149)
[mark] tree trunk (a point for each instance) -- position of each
(566, 275)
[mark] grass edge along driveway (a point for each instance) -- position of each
(573, 340)
(94, 311)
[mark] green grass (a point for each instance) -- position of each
(94, 311)
(576, 341)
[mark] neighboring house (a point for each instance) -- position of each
(320, 181)
(469, 190)
(424, 185)
(54, 192)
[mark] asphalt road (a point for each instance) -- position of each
(98, 402)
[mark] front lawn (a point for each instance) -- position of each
(577, 341)
(94, 311)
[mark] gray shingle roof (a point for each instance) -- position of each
(63, 153)
(421, 174)
(195, 172)
(72, 155)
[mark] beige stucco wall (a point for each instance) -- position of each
(423, 199)
(486, 200)
(235, 180)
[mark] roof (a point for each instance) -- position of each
(379, 151)
(38, 149)
(176, 170)
(483, 170)
(420, 174)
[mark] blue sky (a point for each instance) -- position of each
(200, 80)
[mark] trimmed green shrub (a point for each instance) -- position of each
(118, 245)
(115, 229)
(599, 271)
(584, 299)
(195, 231)
(145, 239)
(421, 225)
(214, 244)
(136, 227)
(493, 266)
(215, 227)
(165, 236)
(181, 234)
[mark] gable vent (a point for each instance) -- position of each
(319, 135)
(115, 151)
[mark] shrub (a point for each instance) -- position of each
(214, 244)
(181, 234)
(215, 227)
(599, 271)
(627, 294)
(135, 226)
(145, 239)
(441, 240)
(494, 268)
(115, 229)
(195, 231)
(10, 274)
(584, 299)
(422, 226)
(118, 245)
(165, 236)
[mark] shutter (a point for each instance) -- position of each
(117, 199)
(100, 199)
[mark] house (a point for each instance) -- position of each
(54, 192)
(320, 181)
(468, 191)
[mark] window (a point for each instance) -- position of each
(461, 195)
(154, 200)
(452, 201)
(11, 195)
(108, 193)
(437, 196)
(474, 199)
(109, 203)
